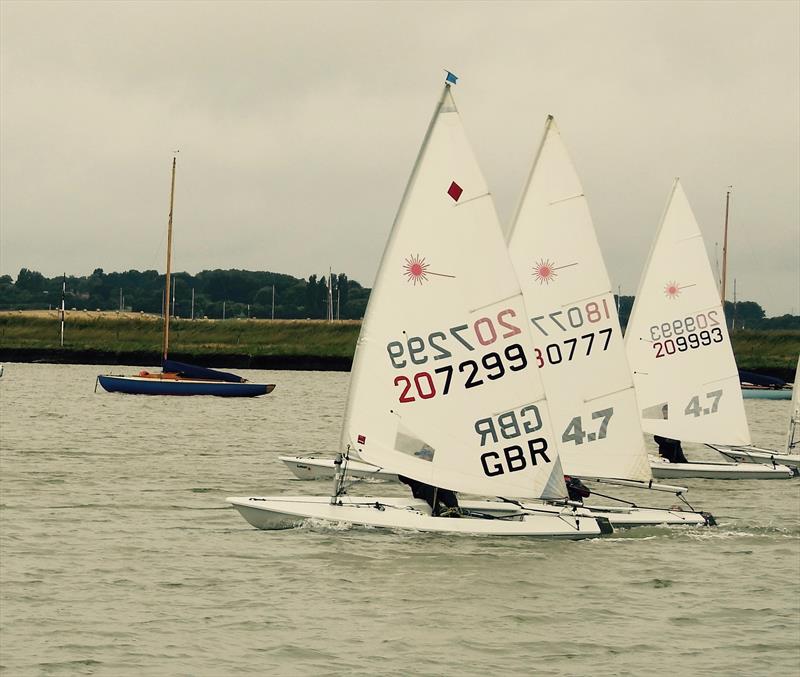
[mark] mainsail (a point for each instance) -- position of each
(444, 386)
(570, 308)
(677, 340)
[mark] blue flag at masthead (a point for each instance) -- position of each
(451, 78)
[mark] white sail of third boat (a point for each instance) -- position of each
(677, 340)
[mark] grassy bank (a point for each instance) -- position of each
(102, 337)
(136, 339)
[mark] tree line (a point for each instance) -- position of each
(217, 294)
(243, 293)
(740, 315)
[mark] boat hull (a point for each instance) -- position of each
(310, 468)
(766, 394)
(620, 517)
(719, 471)
(139, 385)
(285, 512)
(759, 455)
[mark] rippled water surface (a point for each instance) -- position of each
(118, 556)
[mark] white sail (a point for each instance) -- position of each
(677, 341)
(444, 386)
(794, 418)
(568, 297)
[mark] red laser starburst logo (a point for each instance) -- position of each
(417, 269)
(544, 271)
(672, 290)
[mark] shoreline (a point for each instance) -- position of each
(111, 338)
(223, 361)
(153, 360)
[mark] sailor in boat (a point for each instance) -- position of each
(576, 490)
(443, 502)
(667, 447)
(670, 449)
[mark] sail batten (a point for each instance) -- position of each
(677, 341)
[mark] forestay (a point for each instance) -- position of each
(444, 385)
(570, 306)
(677, 340)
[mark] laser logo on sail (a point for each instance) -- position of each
(417, 269)
(544, 271)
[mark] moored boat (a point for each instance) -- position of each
(758, 386)
(178, 378)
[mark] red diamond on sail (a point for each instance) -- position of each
(361, 439)
(455, 191)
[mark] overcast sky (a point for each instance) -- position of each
(298, 124)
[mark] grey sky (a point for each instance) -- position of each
(298, 124)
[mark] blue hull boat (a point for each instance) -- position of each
(178, 378)
(766, 393)
(760, 387)
(153, 385)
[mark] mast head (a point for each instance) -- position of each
(450, 78)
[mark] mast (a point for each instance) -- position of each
(63, 294)
(169, 264)
(725, 248)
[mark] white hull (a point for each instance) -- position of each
(310, 468)
(758, 455)
(620, 517)
(719, 471)
(285, 512)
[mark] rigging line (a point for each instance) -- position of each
(525, 508)
(683, 498)
(640, 507)
(614, 498)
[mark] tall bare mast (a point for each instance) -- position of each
(169, 264)
(725, 249)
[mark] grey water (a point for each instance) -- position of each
(119, 556)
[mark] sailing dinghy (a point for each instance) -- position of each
(579, 350)
(790, 455)
(178, 378)
(678, 347)
(444, 386)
